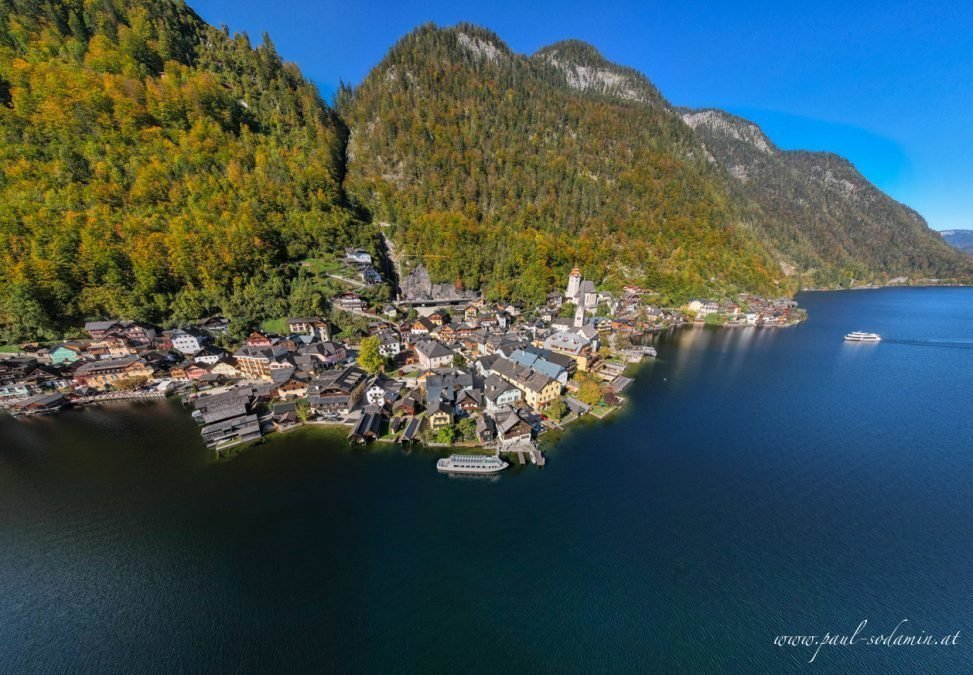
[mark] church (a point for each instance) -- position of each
(582, 293)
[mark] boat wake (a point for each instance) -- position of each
(917, 342)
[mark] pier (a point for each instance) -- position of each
(524, 453)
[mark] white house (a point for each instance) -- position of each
(499, 395)
(390, 344)
(188, 341)
(209, 355)
(433, 354)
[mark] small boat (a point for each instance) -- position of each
(858, 336)
(480, 464)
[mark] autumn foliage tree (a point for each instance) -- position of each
(153, 167)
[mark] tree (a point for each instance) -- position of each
(466, 428)
(446, 435)
(458, 360)
(556, 410)
(303, 410)
(369, 357)
(589, 392)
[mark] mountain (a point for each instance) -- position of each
(502, 172)
(818, 214)
(960, 239)
(154, 167)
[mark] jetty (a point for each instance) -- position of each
(524, 452)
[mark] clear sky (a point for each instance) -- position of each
(887, 84)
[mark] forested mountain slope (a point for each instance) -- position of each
(154, 167)
(502, 171)
(819, 213)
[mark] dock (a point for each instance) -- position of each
(524, 453)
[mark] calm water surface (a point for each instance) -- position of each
(762, 482)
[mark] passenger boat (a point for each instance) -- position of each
(479, 464)
(858, 336)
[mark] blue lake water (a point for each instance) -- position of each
(761, 482)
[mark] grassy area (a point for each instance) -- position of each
(274, 326)
(601, 410)
(330, 266)
(9, 349)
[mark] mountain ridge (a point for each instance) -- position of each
(158, 168)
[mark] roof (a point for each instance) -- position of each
(344, 380)
(275, 353)
(99, 325)
(432, 349)
(108, 364)
(494, 387)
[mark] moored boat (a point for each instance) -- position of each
(478, 464)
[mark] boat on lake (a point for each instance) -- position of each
(858, 336)
(477, 464)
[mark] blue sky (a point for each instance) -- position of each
(887, 84)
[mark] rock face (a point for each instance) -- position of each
(417, 286)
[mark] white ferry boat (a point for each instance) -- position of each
(471, 464)
(858, 336)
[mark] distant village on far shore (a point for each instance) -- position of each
(438, 366)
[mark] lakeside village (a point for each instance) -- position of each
(438, 366)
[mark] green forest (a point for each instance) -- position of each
(498, 175)
(156, 168)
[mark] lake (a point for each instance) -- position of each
(761, 482)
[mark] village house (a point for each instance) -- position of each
(357, 256)
(440, 415)
(15, 389)
(540, 390)
(381, 390)
(103, 374)
(67, 352)
(338, 391)
(350, 302)
(446, 384)
(499, 395)
(421, 326)
(259, 339)
(314, 326)
(486, 430)
(445, 333)
(225, 367)
(215, 325)
(433, 355)
(575, 344)
(326, 353)
(389, 344)
(187, 341)
(256, 363)
(292, 387)
(529, 358)
(512, 430)
(468, 401)
(100, 329)
(209, 355)
(110, 347)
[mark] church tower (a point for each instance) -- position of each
(574, 285)
(579, 315)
